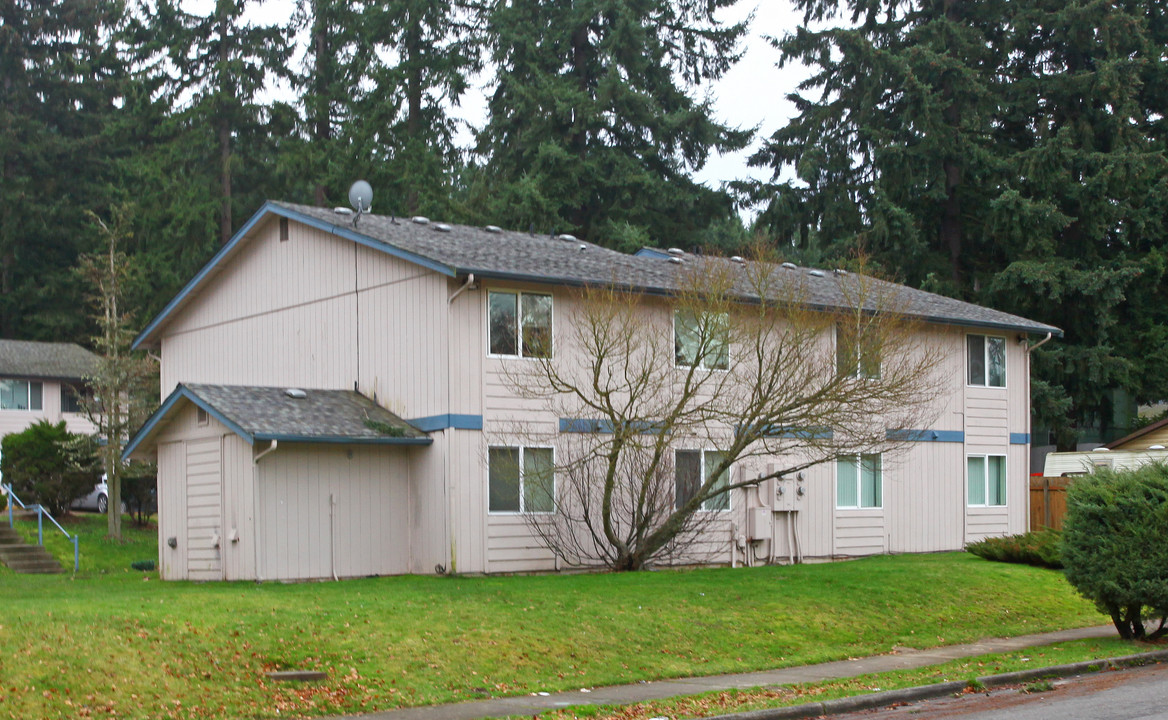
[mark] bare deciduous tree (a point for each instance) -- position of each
(742, 358)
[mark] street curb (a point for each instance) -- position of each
(928, 692)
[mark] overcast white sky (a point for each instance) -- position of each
(751, 95)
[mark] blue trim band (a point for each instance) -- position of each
(1019, 438)
(341, 440)
(448, 420)
(585, 425)
(949, 436)
(269, 208)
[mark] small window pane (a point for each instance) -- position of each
(538, 480)
(537, 326)
(687, 473)
(504, 323)
(719, 502)
(686, 338)
(718, 326)
(997, 361)
(71, 399)
(36, 392)
(870, 481)
(503, 477)
(976, 359)
(846, 482)
(14, 395)
(845, 353)
(997, 480)
(977, 494)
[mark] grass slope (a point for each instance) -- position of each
(118, 641)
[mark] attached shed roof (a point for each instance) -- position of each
(1128, 439)
(56, 360)
(459, 250)
(261, 414)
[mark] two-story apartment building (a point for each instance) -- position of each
(335, 394)
(43, 381)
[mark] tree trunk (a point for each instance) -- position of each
(413, 51)
(951, 230)
(224, 127)
(322, 121)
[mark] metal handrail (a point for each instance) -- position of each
(41, 515)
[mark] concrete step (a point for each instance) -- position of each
(23, 558)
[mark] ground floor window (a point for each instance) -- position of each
(987, 480)
(859, 481)
(21, 395)
(521, 480)
(692, 469)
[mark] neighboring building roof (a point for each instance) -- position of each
(59, 361)
(457, 250)
(1128, 439)
(260, 414)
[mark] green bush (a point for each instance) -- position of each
(1115, 545)
(48, 465)
(1041, 549)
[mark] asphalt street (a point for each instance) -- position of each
(1115, 695)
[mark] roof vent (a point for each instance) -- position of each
(815, 273)
(1155, 447)
(420, 220)
(1101, 449)
(342, 211)
(566, 237)
(582, 247)
(493, 229)
(737, 259)
(674, 260)
(676, 251)
(789, 265)
(443, 227)
(296, 393)
(840, 271)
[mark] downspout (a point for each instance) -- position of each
(256, 460)
(1035, 346)
(255, 491)
(465, 286)
(1030, 420)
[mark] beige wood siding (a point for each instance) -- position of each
(368, 532)
(1143, 442)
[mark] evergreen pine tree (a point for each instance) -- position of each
(594, 126)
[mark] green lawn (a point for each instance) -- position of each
(113, 639)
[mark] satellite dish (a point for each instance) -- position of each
(361, 196)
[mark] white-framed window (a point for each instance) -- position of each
(521, 480)
(702, 338)
(987, 480)
(859, 481)
(519, 324)
(692, 470)
(987, 360)
(854, 356)
(21, 395)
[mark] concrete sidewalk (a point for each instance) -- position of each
(628, 694)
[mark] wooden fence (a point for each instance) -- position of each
(1048, 502)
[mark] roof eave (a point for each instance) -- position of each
(344, 439)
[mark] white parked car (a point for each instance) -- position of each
(97, 500)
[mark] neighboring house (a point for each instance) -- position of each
(386, 319)
(43, 381)
(1127, 453)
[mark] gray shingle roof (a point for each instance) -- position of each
(541, 258)
(61, 361)
(267, 413)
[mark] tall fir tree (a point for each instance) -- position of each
(1009, 153)
(595, 127)
(61, 78)
(213, 70)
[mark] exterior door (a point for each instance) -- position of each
(204, 510)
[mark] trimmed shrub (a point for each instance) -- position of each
(1041, 549)
(1115, 545)
(48, 465)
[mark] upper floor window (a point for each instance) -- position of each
(692, 469)
(21, 395)
(521, 480)
(859, 481)
(855, 356)
(520, 324)
(987, 480)
(987, 360)
(71, 399)
(702, 339)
